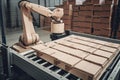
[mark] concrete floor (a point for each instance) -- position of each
(13, 37)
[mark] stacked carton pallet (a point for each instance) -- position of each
(67, 6)
(101, 21)
(93, 18)
(86, 58)
(82, 17)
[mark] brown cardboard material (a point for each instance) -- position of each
(82, 24)
(114, 45)
(95, 1)
(81, 29)
(112, 50)
(39, 47)
(102, 32)
(82, 19)
(103, 7)
(101, 26)
(67, 27)
(66, 17)
(49, 51)
(108, 1)
(71, 51)
(76, 8)
(86, 72)
(66, 12)
(100, 20)
(85, 13)
(68, 59)
(67, 22)
(86, 43)
(103, 54)
(78, 46)
(75, 53)
(76, 13)
(86, 7)
(97, 60)
(102, 13)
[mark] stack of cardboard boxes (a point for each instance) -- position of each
(82, 17)
(92, 17)
(101, 21)
(67, 18)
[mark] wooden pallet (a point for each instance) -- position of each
(86, 58)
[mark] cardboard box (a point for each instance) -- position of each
(102, 13)
(86, 70)
(108, 1)
(82, 29)
(75, 13)
(67, 2)
(95, 1)
(102, 32)
(104, 7)
(101, 26)
(86, 7)
(67, 22)
(85, 13)
(65, 60)
(82, 18)
(67, 27)
(97, 60)
(101, 20)
(76, 8)
(106, 32)
(104, 54)
(72, 2)
(71, 51)
(66, 17)
(66, 12)
(82, 24)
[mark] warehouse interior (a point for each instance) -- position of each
(59, 39)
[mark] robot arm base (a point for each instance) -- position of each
(57, 27)
(33, 39)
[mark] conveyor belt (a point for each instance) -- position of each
(39, 68)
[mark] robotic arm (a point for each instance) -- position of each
(29, 35)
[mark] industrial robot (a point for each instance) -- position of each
(29, 36)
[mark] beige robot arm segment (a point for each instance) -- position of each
(57, 13)
(37, 8)
(29, 35)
